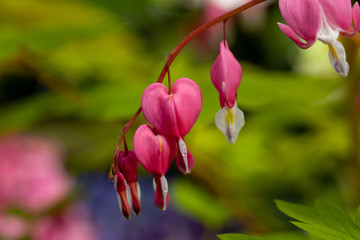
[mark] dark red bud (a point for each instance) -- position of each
(135, 195)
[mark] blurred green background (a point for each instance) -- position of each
(75, 70)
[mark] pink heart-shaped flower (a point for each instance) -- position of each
(154, 152)
(172, 114)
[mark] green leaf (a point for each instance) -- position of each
(300, 212)
(324, 232)
(337, 218)
(200, 204)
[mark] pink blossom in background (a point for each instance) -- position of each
(252, 18)
(73, 223)
(32, 176)
(12, 227)
(33, 180)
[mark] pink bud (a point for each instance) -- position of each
(122, 194)
(155, 153)
(135, 195)
(128, 165)
(226, 75)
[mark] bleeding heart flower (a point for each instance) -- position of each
(128, 164)
(321, 20)
(155, 153)
(226, 74)
(173, 114)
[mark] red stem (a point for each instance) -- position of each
(171, 57)
(169, 79)
(173, 54)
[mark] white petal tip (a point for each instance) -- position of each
(165, 190)
(183, 152)
(337, 57)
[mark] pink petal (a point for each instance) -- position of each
(122, 195)
(135, 195)
(72, 223)
(158, 109)
(291, 34)
(128, 165)
(33, 166)
(187, 99)
(13, 227)
(337, 13)
(303, 17)
(155, 152)
(356, 22)
(356, 16)
(226, 75)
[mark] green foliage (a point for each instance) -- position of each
(326, 221)
(276, 236)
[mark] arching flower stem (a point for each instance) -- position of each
(170, 58)
(169, 79)
(173, 54)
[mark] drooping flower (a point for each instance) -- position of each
(226, 74)
(323, 20)
(155, 153)
(128, 164)
(173, 114)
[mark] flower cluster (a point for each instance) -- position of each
(322, 20)
(173, 111)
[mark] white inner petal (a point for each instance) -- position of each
(337, 57)
(128, 194)
(165, 189)
(327, 33)
(138, 191)
(183, 151)
(230, 121)
(154, 184)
